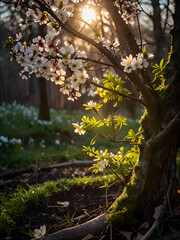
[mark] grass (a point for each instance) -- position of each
(22, 122)
(13, 206)
(50, 154)
(42, 141)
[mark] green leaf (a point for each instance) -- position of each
(60, 4)
(93, 141)
(143, 49)
(30, 233)
(53, 25)
(161, 63)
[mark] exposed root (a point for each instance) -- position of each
(94, 227)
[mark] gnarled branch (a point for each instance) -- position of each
(172, 126)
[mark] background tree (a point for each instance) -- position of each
(160, 15)
(43, 97)
(153, 179)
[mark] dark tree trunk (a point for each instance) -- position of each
(43, 100)
(158, 32)
(151, 179)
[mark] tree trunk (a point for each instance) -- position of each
(158, 32)
(153, 180)
(43, 100)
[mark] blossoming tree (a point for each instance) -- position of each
(151, 162)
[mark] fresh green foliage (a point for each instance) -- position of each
(112, 83)
(91, 123)
(121, 163)
(15, 204)
(70, 219)
(158, 70)
(143, 49)
(135, 137)
(120, 121)
(9, 44)
(162, 72)
(60, 4)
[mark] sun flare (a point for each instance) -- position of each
(88, 14)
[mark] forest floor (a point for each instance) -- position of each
(78, 206)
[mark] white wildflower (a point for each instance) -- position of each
(39, 233)
(79, 128)
(92, 104)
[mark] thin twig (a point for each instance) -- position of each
(108, 138)
(167, 15)
(114, 173)
(117, 92)
(139, 29)
(98, 62)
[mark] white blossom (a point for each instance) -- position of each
(75, 64)
(18, 36)
(103, 164)
(79, 128)
(63, 15)
(92, 104)
(39, 233)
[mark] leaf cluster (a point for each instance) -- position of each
(134, 137)
(114, 84)
(162, 72)
(158, 70)
(121, 163)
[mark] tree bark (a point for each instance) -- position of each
(156, 171)
(150, 181)
(95, 227)
(43, 100)
(158, 31)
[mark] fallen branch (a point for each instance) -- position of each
(46, 168)
(16, 172)
(94, 227)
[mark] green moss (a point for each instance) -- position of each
(163, 91)
(144, 123)
(167, 72)
(125, 207)
(143, 119)
(128, 205)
